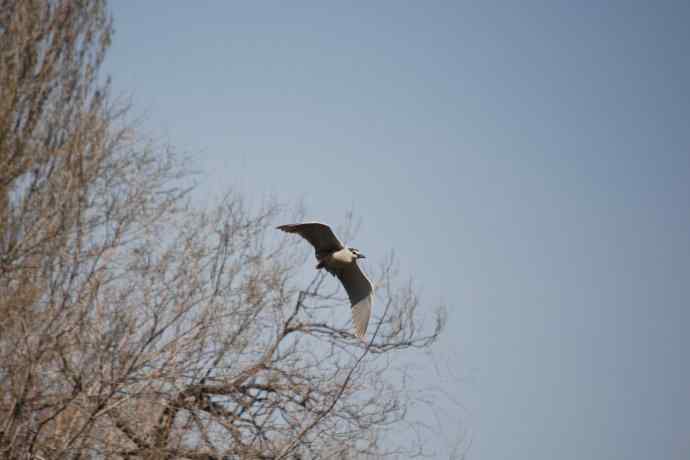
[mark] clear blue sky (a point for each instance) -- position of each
(529, 161)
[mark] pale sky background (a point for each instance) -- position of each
(529, 162)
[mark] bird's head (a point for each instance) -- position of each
(358, 255)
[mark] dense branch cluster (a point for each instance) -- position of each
(133, 325)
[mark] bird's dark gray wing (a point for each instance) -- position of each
(359, 290)
(319, 235)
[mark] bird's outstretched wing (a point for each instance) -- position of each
(359, 290)
(319, 235)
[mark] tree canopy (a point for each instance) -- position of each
(135, 325)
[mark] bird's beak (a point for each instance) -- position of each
(361, 256)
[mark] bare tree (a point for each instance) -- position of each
(135, 326)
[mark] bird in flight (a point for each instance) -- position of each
(339, 261)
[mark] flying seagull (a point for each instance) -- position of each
(339, 261)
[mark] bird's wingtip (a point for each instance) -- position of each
(361, 311)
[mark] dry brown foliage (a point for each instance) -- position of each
(135, 326)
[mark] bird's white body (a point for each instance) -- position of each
(343, 257)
